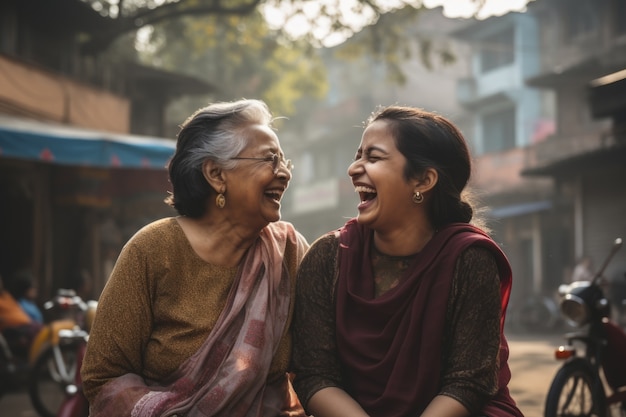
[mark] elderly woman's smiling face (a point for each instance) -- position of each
(255, 187)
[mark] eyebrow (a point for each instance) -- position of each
(371, 149)
(269, 149)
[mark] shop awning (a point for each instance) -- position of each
(521, 209)
(64, 145)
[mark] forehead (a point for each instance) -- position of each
(262, 136)
(378, 135)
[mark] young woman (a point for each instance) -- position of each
(400, 312)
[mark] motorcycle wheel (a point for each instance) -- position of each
(576, 392)
(53, 371)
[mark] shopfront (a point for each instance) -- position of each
(70, 198)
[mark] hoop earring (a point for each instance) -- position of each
(418, 197)
(220, 201)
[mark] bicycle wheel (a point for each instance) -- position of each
(575, 392)
(53, 370)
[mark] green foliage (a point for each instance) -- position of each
(321, 19)
(241, 56)
(229, 43)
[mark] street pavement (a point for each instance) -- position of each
(533, 367)
(531, 361)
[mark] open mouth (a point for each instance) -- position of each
(365, 193)
(275, 195)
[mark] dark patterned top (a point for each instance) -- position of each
(472, 325)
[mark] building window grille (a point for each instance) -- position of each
(581, 20)
(497, 50)
(619, 16)
(499, 130)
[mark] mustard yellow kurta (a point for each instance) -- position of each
(159, 306)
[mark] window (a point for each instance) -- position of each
(581, 20)
(497, 50)
(499, 130)
(619, 16)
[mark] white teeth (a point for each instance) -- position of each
(363, 189)
(276, 195)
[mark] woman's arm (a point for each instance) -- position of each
(444, 406)
(318, 380)
(472, 339)
(334, 402)
(121, 325)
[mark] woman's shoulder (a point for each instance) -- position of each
(325, 245)
(157, 227)
(477, 254)
(157, 233)
(479, 263)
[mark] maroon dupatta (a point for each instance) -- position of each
(381, 341)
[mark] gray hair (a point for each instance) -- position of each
(217, 132)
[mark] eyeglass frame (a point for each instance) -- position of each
(275, 159)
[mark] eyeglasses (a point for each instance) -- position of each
(275, 161)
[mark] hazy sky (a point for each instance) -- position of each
(452, 8)
(465, 8)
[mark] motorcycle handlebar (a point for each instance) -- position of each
(617, 244)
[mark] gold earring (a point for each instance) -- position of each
(418, 197)
(220, 200)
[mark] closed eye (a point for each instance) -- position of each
(370, 155)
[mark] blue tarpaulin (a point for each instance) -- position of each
(25, 139)
(520, 209)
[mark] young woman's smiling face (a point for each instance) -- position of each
(377, 175)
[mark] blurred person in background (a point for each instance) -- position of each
(16, 326)
(401, 311)
(195, 317)
(582, 270)
(24, 290)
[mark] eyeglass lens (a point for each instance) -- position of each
(276, 161)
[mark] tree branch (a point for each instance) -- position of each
(147, 16)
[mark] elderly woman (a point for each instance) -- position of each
(400, 313)
(195, 317)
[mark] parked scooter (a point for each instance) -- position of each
(592, 381)
(75, 403)
(44, 355)
(53, 358)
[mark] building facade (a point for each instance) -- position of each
(507, 117)
(82, 152)
(483, 92)
(582, 61)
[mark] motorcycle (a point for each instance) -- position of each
(53, 357)
(17, 361)
(592, 380)
(75, 403)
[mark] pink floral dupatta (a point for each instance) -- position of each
(227, 376)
